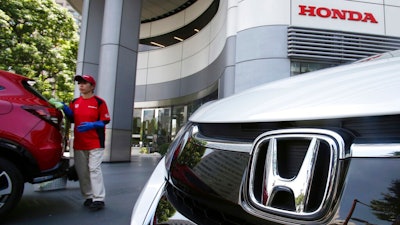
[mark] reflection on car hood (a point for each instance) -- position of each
(363, 89)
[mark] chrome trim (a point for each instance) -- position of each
(152, 196)
(391, 150)
(299, 185)
(228, 145)
(146, 204)
(307, 131)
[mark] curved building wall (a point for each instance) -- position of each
(246, 44)
(174, 22)
(190, 69)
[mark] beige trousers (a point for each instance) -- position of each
(88, 168)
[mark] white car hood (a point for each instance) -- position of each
(359, 89)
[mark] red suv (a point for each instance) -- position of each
(31, 140)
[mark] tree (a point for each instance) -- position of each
(39, 39)
(389, 207)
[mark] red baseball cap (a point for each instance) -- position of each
(86, 78)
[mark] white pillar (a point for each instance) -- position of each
(108, 51)
(117, 73)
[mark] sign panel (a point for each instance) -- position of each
(342, 15)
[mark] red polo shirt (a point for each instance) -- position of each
(89, 110)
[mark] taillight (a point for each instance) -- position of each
(50, 115)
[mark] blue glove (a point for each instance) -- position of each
(85, 126)
(68, 112)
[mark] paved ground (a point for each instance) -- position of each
(123, 182)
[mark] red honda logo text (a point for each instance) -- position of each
(341, 14)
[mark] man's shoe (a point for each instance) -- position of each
(96, 205)
(88, 202)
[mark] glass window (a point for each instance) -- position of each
(162, 136)
(149, 126)
(136, 127)
(179, 118)
(155, 128)
(299, 67)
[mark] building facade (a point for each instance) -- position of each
(154, 73)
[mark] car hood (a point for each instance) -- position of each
(360, 89)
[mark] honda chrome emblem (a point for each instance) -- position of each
(293, 172)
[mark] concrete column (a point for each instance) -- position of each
(90, 39)
(117, 73)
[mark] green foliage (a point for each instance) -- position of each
(39, 39)
(164, 210)
(162, 149)
(388, 208)
(192, 154)
(143, 150)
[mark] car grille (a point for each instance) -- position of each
(374, 127)
(294, 173)
(205, 205)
